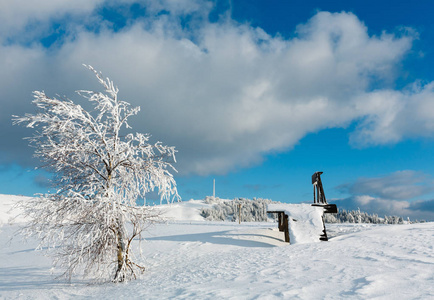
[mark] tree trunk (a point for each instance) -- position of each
(121, 256)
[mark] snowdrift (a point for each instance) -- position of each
(184, 211)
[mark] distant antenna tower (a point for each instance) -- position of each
(213, 188)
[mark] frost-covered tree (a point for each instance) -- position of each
(99, 172)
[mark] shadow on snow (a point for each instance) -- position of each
(222, 238)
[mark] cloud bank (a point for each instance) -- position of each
(224, 93)
(398, 194)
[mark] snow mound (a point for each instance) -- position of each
(304, 221)
(184, 211)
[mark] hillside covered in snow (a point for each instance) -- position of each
(191, 258)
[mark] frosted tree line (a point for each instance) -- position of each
(256, 211)
(357, 216)
(91, 219)
(251, 210)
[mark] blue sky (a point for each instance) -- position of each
(256, 94)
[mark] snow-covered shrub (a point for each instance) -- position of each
(92, 217)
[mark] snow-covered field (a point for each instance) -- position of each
(188, 258)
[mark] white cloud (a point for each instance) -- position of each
(225, 93)
(391, 116)
(19, 16)
(400, 185)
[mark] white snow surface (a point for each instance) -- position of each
(184, 211)
(304, 221)
(192, 259)
(8, 212)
